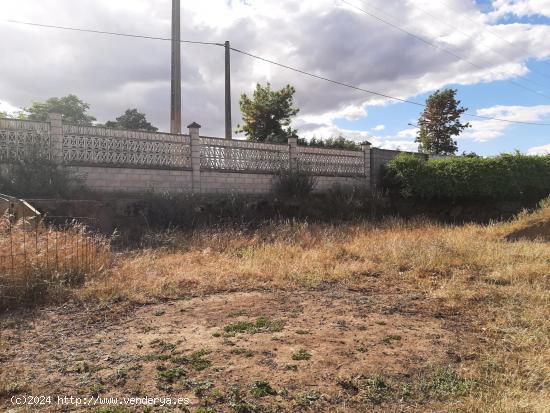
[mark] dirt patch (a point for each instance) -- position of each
(539, 231)
(259, 350)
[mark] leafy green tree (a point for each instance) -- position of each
(132, 120)
(440, 122)
(71, 108)
(267, 116)
(332, 143)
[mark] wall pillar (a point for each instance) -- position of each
(56, 137)
(195, 140)
(293, 153)
(366, 147)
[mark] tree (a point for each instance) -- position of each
(132, 120)
(71, 108)
(439, 122)
(267, 116)
(332, 143)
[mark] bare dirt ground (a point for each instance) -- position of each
(327, 349)
(538, 231)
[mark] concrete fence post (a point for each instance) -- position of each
(56, 137)
(194, 130)
(293, 153)
(366, 147)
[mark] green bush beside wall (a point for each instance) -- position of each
(507, 177)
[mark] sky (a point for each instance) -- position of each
(496, 53)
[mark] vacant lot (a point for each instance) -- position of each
(386, 317)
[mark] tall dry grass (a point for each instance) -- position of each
(501, 288)
(39, 264)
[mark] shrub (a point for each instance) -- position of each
(507, 177)
(37, 176)
(297, 183)
(165, 210)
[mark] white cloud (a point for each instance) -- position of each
(333, 131)
(379, 128)
(9, 109)
(486, 130)
(400, 145)
(539, 150)
(407, 133)
(113, 74)
(520, 8)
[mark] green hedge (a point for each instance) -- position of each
(504, 177)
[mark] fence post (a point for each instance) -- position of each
(195, 141)
(293, 153)
(366, 147)
(56, 136)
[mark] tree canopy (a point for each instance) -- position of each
(132, 120)
(268, 114)
(333, 143)
(440, 122)
(71, 108)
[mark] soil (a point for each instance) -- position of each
(125, 351)
(539, 231)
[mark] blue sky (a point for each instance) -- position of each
(341, 40)
(398, 116)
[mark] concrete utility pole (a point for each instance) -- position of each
(228, 126)
(175, 105)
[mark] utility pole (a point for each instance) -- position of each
(228, 126)
(175, 104)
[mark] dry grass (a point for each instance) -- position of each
(40, 264)
(501, 287)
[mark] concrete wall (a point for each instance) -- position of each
(326, 182)
(108, 179)
(215, 182)
(112, 160)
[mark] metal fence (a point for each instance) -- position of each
(57, 245)
(37, 254)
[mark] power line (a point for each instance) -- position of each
(138, 36)
(443, 49)
(326, 79)
(273, 63)
(373, 92)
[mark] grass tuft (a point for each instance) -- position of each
(261, 325)
(262, 389)
(301, 354)
(445, 383)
